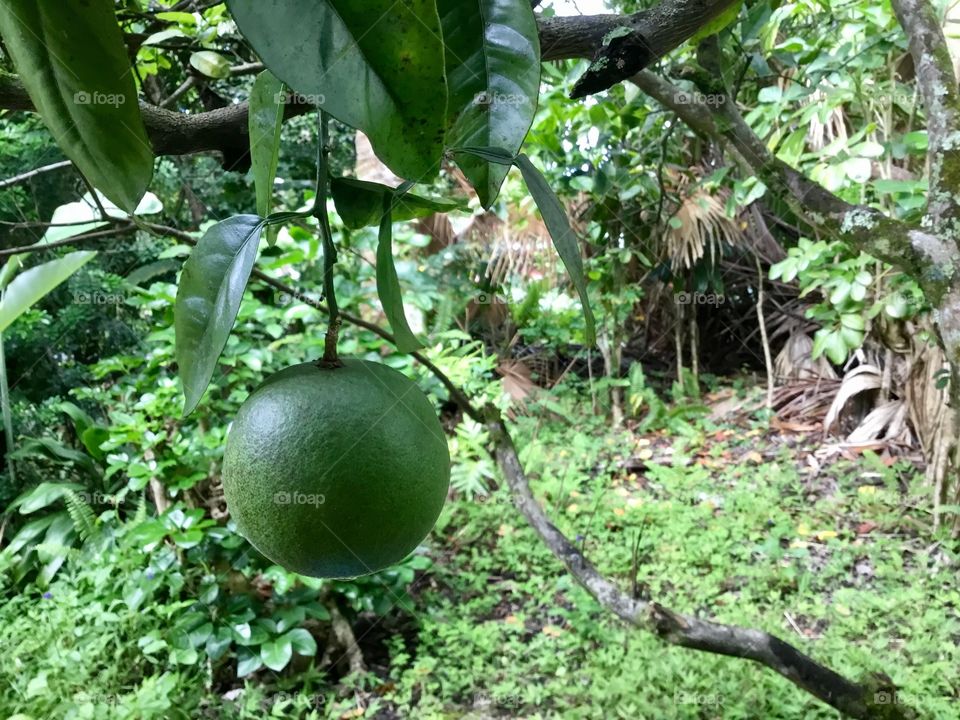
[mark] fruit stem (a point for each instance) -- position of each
(330, 357)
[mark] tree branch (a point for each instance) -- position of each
(651, 34)
(938, 87)
(621, 46)
(224, 130)
(853, 699)
(715, 115)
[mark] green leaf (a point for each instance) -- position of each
(302, 642)
(43, 495)
(27, 533)
(377, 66)
(493, 68)
(247, 662)
(211, 64)
(267, 101)
(388, 285)
(74, 64)
(208, 299)
(713, 27)
(277, 653)
(360, 204)
(32, 285)
(564, 239)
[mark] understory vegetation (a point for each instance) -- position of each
(679, 279)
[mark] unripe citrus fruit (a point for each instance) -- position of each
(336, 472)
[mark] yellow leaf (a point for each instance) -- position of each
(803, 529)
(826, 535)
(552, 631)
(867, 490)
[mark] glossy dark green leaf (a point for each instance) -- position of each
(72, 60)
(360, 203)
(208, 299)
(564, 239)
(267, 102)
(377, 66)
(493, 66)
(276, 653)
(388, 285)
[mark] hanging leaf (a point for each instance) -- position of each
(388, 284)
(564, 239)
(360, 203)
(376, 66)
(208, 299)
(213, 65)
(493, 68)
(267, 102)
(32, 285)
(72, 60)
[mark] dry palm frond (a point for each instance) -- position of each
(701, 226)
(823, 132)
(795, 360)
(887, 421)
(519, 247)
(864, 378)
(805, 401)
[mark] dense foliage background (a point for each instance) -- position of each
(128, 593)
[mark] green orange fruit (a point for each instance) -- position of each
(336, 472)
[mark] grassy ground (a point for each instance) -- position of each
(730, 522)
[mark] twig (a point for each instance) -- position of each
(767, 355)
(17, 179)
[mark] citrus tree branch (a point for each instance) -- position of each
(645, 36)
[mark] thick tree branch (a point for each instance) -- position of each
(649, 35)
(938, 87)
(172, 133)
(621, 46)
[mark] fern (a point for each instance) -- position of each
(141, 513)
(84, 520)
